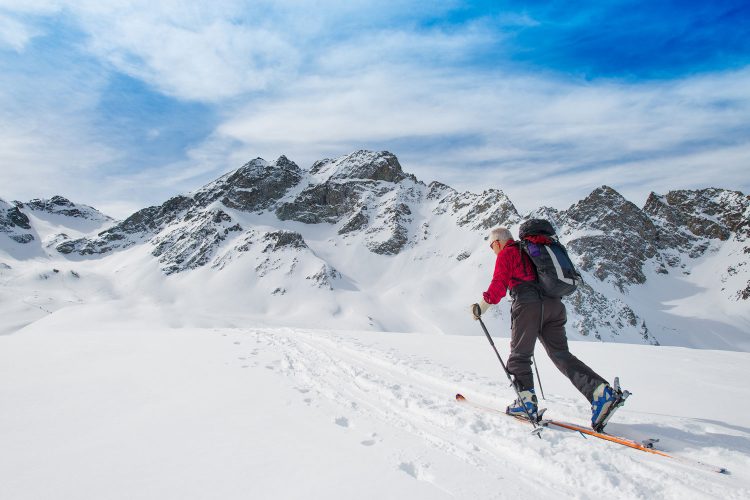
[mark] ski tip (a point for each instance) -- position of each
(460, 397)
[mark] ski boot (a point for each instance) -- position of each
(527, 407)
(606, 401)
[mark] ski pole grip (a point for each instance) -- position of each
(477, 311)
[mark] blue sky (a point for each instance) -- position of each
(124, 103)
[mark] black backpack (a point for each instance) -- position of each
(556, 274)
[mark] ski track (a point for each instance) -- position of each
(367, 385)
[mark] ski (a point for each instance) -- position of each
(646, 446)
(521, 418)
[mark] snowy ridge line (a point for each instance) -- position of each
(601, 435)
(671, 272)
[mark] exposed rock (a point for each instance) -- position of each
(438, 191)
(257, 185)
(60, 205)
(605, 318)
(15, 217)
(142, 224)
(22, 238)
(325, 277)
(463, 256)
(357, 222)
(611, 236)
(483, 211)
(278, 240)
(690, 220)
(394, 222)
(190, 246)
(15, 223)
(369, 165)
(329, 202)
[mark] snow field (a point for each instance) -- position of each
(131, 411)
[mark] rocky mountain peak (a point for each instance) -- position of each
(59, 205)
(257, 185)
(606, 209)
(611, 235)
(362, 164)
(707, 213)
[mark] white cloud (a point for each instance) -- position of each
(312, 81)
(557, 137)
(14, 33)
(49, 139)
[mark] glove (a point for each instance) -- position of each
(482, 306)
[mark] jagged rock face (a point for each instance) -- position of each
(355, 223)
(140, 225)
(278, 240)
(193, 245)
(546, 213)
(15, 223)
(600, 317)
(438, 190)
(688, 216)
(395, 220)
(365, 192)
(60, 205)
(483, 211)
(611, 236)
(330, 201)
(257, 185)
(706, 213)
(690, 220)
(370, 165)
(490, 209)
(343, 188)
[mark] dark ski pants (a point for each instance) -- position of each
(545, 320)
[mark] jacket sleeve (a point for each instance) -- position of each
(500, 280)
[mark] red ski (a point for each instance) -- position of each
(645, 446)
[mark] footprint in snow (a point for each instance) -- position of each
(342, 421)
(415, 470)
(370, 442)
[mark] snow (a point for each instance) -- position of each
(95, 407)
(324, 370)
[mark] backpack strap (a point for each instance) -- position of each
(520, 284)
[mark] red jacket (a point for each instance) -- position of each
(510, 270)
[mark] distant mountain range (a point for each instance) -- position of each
(364, 244)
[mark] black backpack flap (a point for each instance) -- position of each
(560, 278)
(536, 226)
(556, 274)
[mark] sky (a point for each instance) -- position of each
(122, 104)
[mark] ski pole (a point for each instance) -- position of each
(477, 315)
(533, 359)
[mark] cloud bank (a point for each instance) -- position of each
(455, 91)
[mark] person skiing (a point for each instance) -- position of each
(533, 316)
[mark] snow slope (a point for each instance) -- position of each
(94, 409)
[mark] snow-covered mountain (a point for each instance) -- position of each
(355, 242)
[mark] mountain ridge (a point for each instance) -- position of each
(289, 227)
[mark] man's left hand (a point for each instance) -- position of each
(480, 308)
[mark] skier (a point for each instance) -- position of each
(534, 315)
